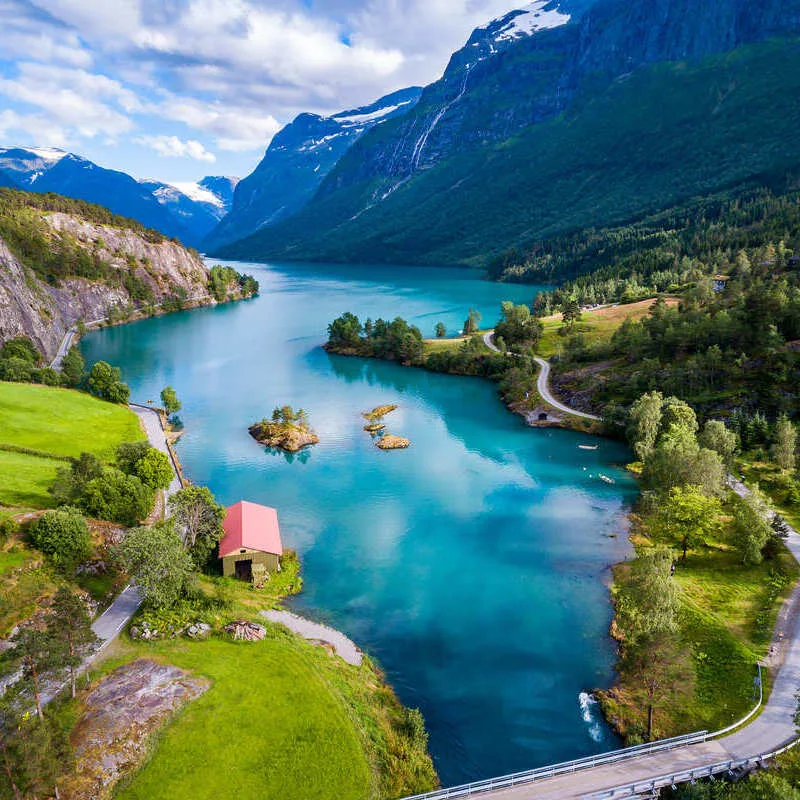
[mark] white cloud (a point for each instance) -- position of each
(85, 102)
(173, 147)
(233, 128)
(32, 128)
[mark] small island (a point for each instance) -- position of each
(391, 442)
(288, 430)
(378, 413)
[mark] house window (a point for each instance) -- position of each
(243, 551)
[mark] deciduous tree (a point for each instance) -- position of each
(72, 627)
(198, 517)
(158, 562)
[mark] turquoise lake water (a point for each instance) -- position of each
(472, 565)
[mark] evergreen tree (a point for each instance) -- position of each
(73, 629)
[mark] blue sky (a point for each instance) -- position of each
(178, 89)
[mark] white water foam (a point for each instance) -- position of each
(591, 716)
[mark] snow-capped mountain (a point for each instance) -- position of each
(198, 206)
(297, 161)
(171, 210)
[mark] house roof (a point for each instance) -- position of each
(252, 527)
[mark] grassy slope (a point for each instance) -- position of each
(595, 326)
(56, 422)
(271, 726)
(659, 136)
(726, 620)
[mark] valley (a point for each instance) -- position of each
(457, 438)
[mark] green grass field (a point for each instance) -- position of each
(270, 726)
(62, 421)
(53, 422)
(595, 326)
(24, 480)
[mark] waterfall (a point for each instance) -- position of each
(419, 145)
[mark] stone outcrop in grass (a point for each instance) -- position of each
(120, 714)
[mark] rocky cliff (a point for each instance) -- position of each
(160, 270)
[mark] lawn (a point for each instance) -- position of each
(63, 422)
(596, 326)
(53, 422)
(24, 480)
(270, 726)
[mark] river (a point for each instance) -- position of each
(473, 566)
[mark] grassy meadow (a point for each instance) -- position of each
(42, 426)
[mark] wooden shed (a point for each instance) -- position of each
(251, 547)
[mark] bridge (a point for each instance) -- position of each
(640, 771)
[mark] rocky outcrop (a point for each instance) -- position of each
(121, 713)
(283, 436)
(391, 442)
(29, 307)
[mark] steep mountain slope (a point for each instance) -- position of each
(62, 260)
(187, 212)
(198, 206)
(296, 162)
(626, 109)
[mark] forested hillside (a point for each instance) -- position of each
(549, 139)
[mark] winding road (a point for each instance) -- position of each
(542, 383)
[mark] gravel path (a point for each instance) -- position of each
(315, 632)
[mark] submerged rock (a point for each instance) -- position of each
(378, 412)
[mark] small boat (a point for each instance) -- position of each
(606, 479)
(588, 446)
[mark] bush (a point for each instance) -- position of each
(21, 347)
(17, 370)
(106, 383)
(117, 497)
(62, 534)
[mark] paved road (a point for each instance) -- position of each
(544, 391)
(313, 631)
(542, 382)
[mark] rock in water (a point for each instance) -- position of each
(391, 442)
(111, 738)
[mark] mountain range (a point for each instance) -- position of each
(298, 159)
(552, 119)
(186, 212)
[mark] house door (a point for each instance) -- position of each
(244, 570)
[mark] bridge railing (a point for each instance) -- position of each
(637, 788)
(564, 768)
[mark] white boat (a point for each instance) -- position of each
(606, 479)
(588, 446)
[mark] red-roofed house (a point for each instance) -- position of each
(251, 546)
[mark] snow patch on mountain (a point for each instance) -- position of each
(358, 119)
(198, 193)
(525, 21)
